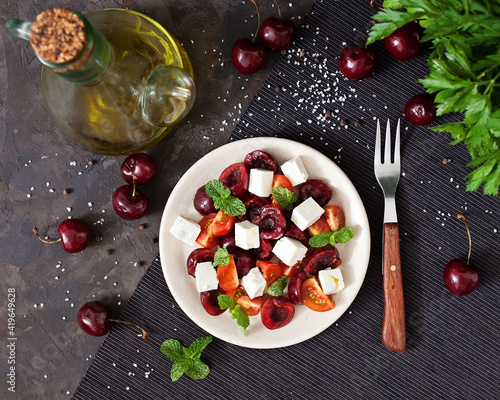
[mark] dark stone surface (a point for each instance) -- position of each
(37, 163)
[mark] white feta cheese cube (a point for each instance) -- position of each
(246, 235)
(206, 277)
(289, 250)
(185, 230)
(306, 213)
(331, 280)
(260, 182)
(295, 171)
(254, 283)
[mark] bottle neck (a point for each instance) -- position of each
(92, 64)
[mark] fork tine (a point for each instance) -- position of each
(397, 158)
(377, 144)
(387, 154)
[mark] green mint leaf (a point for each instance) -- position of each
(199, 370)
(172, 348)
(321, 239)
(233, 206)
(342, 235)
(284, 197)
(214, 188)
(393, 4)
(181, 365)
(225, 301)
(241, 317)
(198, 345)
(276, 288)
(221, 257)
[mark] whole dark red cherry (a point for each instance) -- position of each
(74, 235)
(248, 57)
(198, 256)
(277, 34)
(276, 312)
(141, 166)
(129, 203)
(202, 202)
(404, 43)
(94, 318)
(460, 277)
(419, 110)
(356, 62)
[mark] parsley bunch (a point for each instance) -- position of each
(464, 73)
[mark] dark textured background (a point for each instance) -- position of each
(452, 341)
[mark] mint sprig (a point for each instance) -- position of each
(341, 236)
(221, 257)
(223, 199)
(235, 311)
(284, 197)
(187, 359)
(276, 288)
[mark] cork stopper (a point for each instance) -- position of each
(57, 35)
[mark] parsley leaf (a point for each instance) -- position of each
(276, 288)
(221, 257)
(235, 311)
(187, 359)
(464, 74)
(223, 199)
(341, 236)
(284, 197)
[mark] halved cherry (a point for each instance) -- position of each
(281, 181)
(250, 306)
(322, 258)
(320, 226)
(223, 223)
(253, 204)
(293, 231)
(228, 275)
(271, 271)
(313, 296)
(261, 159)
(276, 312)
(206, 238)
(265, 251)
(244, 260)
(291, 270)
(295, 287)
(235, 178)
(335, 217)
(210, 301)
(271, 222)
(198, 256)
(317, 189)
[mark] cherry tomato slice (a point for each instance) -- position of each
(313, 296)
(281, 181)
(206, 238)
(223, 223)
(320, 226)
(271, 271)
(335, 217)
(250, 306)
(228, 275)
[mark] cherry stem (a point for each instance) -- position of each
(258, 20)
(35, 231)
(374, 6)
(460, 216)
(144, 333)
(279, 10)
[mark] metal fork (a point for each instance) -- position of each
(387, 174)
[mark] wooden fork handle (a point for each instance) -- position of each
(393, 324)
